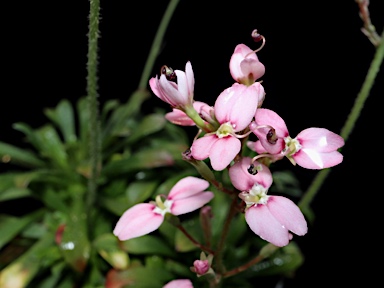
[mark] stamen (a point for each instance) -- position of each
(257, 38)
(168, 72)
(252, 170)
(271, 136)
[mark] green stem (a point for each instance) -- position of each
(157, 42)
(93, 105)
(350, 122)
(220, 247)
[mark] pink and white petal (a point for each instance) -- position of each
(186, 205)
(243, 180)
(238, 55)
(179, 283)
(268, 117)
(312, 159)
(252, 67)
(256, 146)
(288, 214)
(137, 221)
(201, 147)
(182, 84)
(226, 100)
(223, 152)
(190, 78)
(171, 92)
(243, 110)
(237, 105)
(178, 117)
(265, 116)
(320, 139)
(153, 83)
(187, 187)
(264, 224)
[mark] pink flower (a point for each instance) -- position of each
(203, 265)
(179, 283)
(245, 66)
(178, 117)
(313, 148)
(186, 196)
(177, 95)
(234, 110)
(270, 217)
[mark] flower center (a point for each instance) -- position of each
(162, 207)
(224, 130)
(292, 146)
(256, 195)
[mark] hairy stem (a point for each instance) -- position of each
(93, 105)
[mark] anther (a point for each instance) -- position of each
(271, 136)
(168, 72)
(257, 38)
(252, 170)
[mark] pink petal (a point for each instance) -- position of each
(182, 84)
(179, 283)
(264, 224)
(256, 146)
(243, 180)
(192, 203)
(178, 117)
(223, 151)
(320, 139)
(252, 68)
(268, 117)
(190, 78)
(201, 147)
(171, 92)
(187, 187)
(312, 159)
(237, 57)
(238, 105)
(137, 221)
(288, 214)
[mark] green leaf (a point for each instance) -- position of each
(147, 244)
(107, 245)
(74, 242)
(50, 146)
(54, 199)
(148, 125)
(182, 242)
(139, 277)
(28, 132)
(28, 265)
(140, 191)
(63, 117)
(285, 182)
(11, 226)
(15, 155)
(284, 262)
(119, 117)
(144, 159)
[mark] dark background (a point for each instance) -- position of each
(316, 60)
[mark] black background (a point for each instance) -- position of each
(316, 60)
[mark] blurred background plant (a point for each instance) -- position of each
(86, 165)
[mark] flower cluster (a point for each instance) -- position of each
(223, 130)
